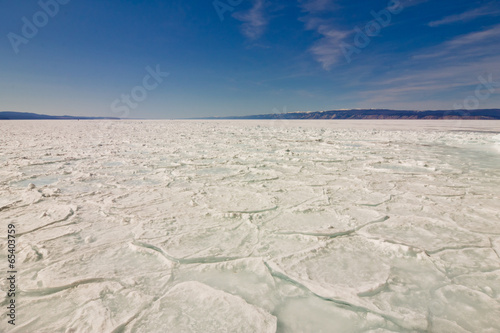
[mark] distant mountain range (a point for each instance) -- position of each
(10, 115)
(486, 114)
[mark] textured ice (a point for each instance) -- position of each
(253, 226)
(195, 307)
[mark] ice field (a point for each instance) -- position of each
(252, 226)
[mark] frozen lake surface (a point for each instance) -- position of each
(252, 226)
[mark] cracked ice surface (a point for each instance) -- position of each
(253, 226)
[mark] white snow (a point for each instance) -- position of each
(252, 226)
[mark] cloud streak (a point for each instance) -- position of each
(317, 6)
(437, 76)
(254, 20)
(430, 79)
(466, 16)
(474, 44)
(325, 50)
(333, 46)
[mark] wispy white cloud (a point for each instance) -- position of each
(411, 3)
(317, 6)
(429, 79)
(435, 77)
(326, 50)
(470, 15)
(480, 38)
(447, 68)
(254, 20)
(474, 44)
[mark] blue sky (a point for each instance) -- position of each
(240, 57)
